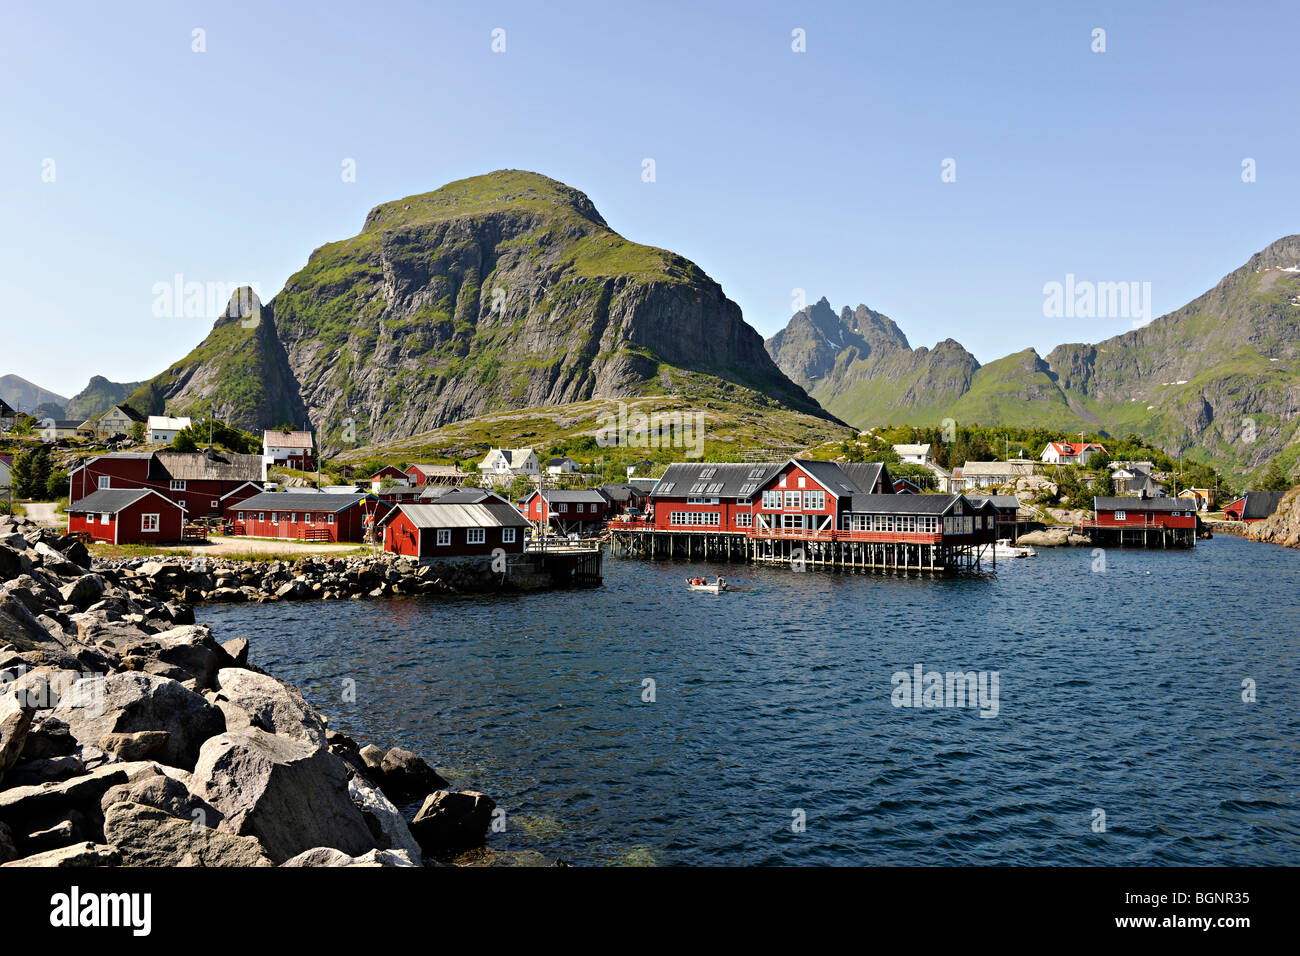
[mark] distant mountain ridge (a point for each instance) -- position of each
(25, 396)
(1218, 379)
(97, 397)
(497, 292)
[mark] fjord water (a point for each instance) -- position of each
(1119, 690)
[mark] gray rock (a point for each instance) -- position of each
(134, 746)
(237, 649)
(328, 856)
(259, 700)
(84, 591)
(289, 794)
(405, 776)
(15, 720)
(147, 836)
(127, 702)
(449, 822)
(384, 820)
(84, 854)
(151, 787)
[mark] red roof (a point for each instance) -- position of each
(1075, 448)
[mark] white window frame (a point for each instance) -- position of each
(444, 537)
(1121, 515)
(330, 519)
(103, 518)
(507, 535)
(475, 535)
(105, 481)
(177, 484)
(148, 526)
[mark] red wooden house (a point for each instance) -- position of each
(566, 512)
(127, 516)
(435, 475)
(905, 486)
(202, 482)
(455, 525)
(389, 473)
(306, 516)
(1253, 506)
(794, 496)
(1128, 513)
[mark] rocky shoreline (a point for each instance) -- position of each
(130, 736)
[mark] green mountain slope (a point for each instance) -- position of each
(494, 293)
(1217, 380)
(98, 396)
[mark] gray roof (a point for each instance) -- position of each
(567, 497)
(716, 479)
(905, 504)
(620, 491)
(450, 494)
(493, 513)
(1141, 504)
(113, 500)
(205, 465)
(301, 501)
(1001, 502)
(1261, 504)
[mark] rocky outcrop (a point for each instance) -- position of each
(130, 736)
(1282, 526)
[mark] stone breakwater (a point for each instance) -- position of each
(131, 736)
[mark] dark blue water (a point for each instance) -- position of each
(1119, 691)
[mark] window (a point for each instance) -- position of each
(275, 517)
(103, 519)
(475, 535)
(261, 516)
(1121, 515)
(708, 518)
(562, 509)
(802, 481)
(667, 488)
(792, 500)
(744, 520)
(507, 535)
(814, 501)
(148, 522)
(771, 499)
(581, 507)
(444, 537)
(330, 519)
(240, 516)
(177, 485)
(215, 504)
(701, 501)
(756, 473)
(293, 517)
(104, 481)
(708, 472)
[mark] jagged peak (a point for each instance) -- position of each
(244, 303)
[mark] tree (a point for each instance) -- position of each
(1274, 478)
(184, 441)
(56, 486)
(137, 431)
(31, 473)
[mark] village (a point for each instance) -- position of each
(135, 483)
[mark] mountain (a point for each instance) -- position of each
(1217, 380)
(98, 396)
(498, 292)
(240, 372)
(24, 396)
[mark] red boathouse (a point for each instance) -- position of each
(127, 516)
(306, 516)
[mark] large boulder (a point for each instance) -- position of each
(78, 855)
(15, 720)
(151, 787)
(84, 591)
(328, 856)
(250, 699)
(147, 836)
(451, 821)
(128, 702)
(288, 793)
(384, 819)
(404, 776)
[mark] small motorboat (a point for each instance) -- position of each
(716, 588)
(1004, 548)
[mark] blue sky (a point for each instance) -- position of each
(775, 170)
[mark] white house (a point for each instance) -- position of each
(161, 428)
(991, 474)
(513, 462)
(292, 449)
(913, 454)
(1070, 452)
(562, 466)
(118, 420)
(53, 429)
